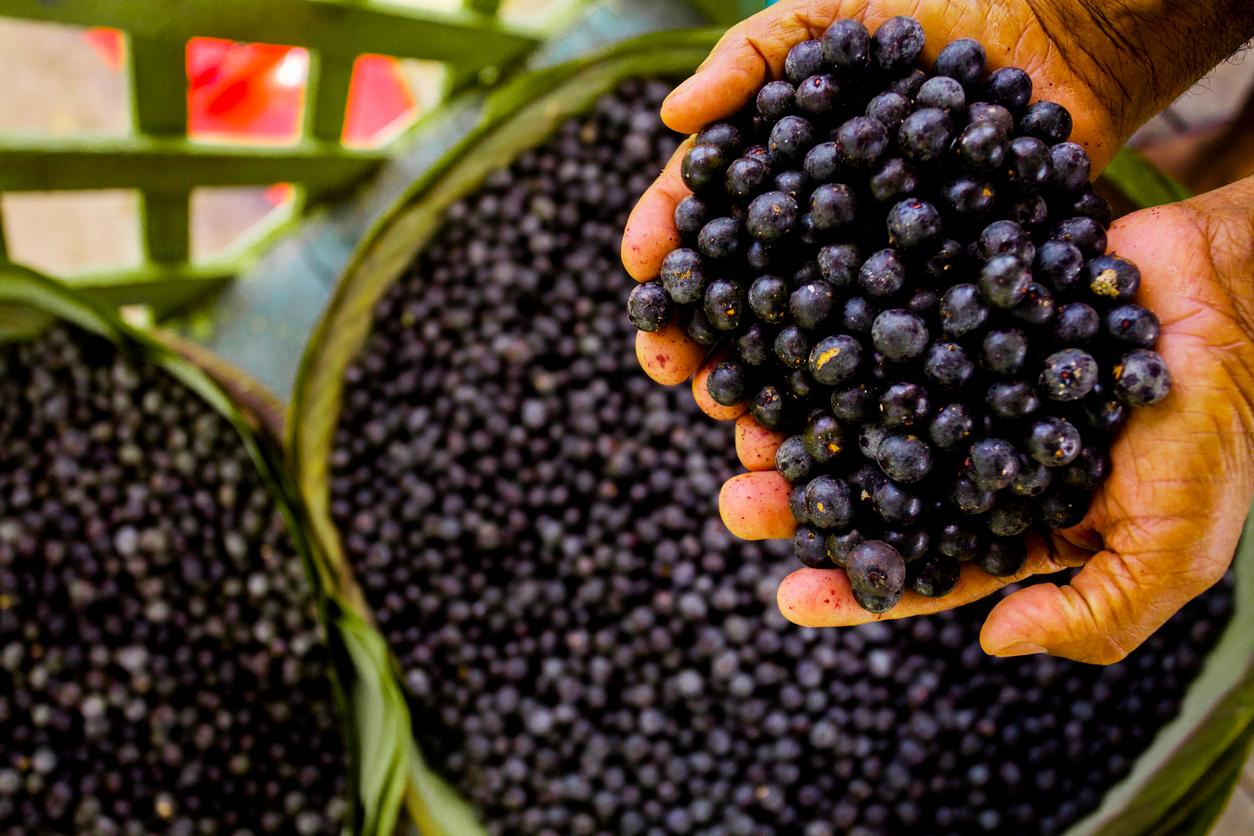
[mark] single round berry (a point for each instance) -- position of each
(1068, 374)
(899, 335)
(847, 45)
(720, 239)
(925, 135)
(882, 274)
(724, 305)
(1009, 87)
(754, 345)
(746, 177)
(857, 315)
(699, 329)
(1132, 325)
(1004, 281)
(768, 299)
(824, 438)
(943, 93)
(963, 60)
(1087, 471)
(1093, 206)
(889, 109)
(822, 162)
(994, 463)
(817, 95)
(803, 60)
(792, 461)
(970, 498)
(792, 346)
(1071, 167)
(839, 265)
(1085, 233)
(791, 138)
(776, 100)
(1062, 508)
(1003, 557)
(1006, 238)
(811, 304)
(896, 505)
(1004, 352)
(912, 223)
(683, 276)
(728, 382)
(995, 114)
(1012, 400)
(832, 205)
(1028, 162)
(1058, 264)
(1077, 324)
(1110, 277)
(828, 503)
(861, 141)
(723, 134)
(771, 216)
(951, 428)
(905, 458)
(834, 360)
(959, 541)
(1054, 442)
(924, 302)
(948, 366)
(1047, 121)
(1141, 378)
(962, 310)
(935, 576)
(791, 183)
(893, 181)
(691, 214)
(1037, 306)
(649, 306)
(703, 167)
(897, 43)
(852, 404)
(903, 405)
(807, 545)
(768, 408)
(1104, 414)
(968, 197)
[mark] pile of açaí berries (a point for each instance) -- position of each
(907, 272)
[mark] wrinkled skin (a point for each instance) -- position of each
(1164, 526)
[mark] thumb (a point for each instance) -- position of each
(1107, 610)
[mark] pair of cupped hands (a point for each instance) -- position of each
(1165, 525)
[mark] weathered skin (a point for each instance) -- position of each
(1164, 526)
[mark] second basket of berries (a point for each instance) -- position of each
(906, 271)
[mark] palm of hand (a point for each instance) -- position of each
(1163, 528)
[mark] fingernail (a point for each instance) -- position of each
(1019, 649)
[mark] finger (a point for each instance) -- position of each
(1107, 610)
(701, 394)
(668, 356)
(823, 597)
(754, 506)
(650, 232)
(748, 55)
(755, 444)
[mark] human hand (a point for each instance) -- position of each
(754, 505)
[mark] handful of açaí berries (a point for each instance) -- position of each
(907, 273)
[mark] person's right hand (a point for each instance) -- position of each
(1073, 60)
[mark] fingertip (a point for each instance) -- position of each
(754, 506)
(1011, 628)
(650, 232)
(707, 404)
(819, 598)
(755, 444)
(668, 356)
